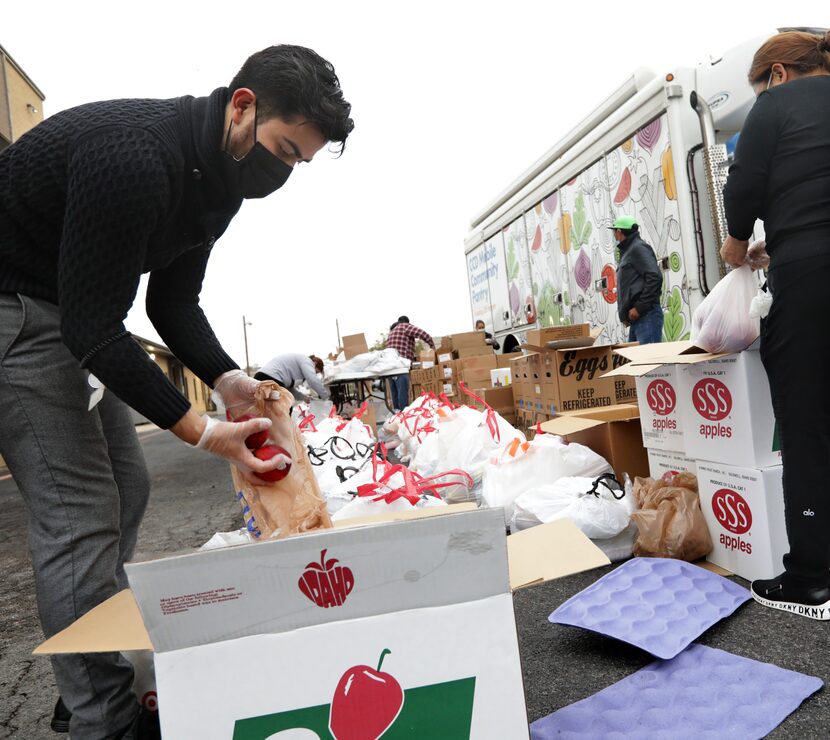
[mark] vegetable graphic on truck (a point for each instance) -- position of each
(655, 150)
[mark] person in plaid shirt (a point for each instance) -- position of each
(402, 336)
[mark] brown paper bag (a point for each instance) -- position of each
(670, 522)
(293, 504)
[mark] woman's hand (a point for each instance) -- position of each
(757, 256)
(733, 251)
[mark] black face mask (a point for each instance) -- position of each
(258, 173)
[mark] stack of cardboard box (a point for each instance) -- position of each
(425, 380)
(456, 349)
(712, 415)
(548, 382)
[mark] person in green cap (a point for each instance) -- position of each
(639, 283)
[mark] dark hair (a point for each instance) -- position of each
(633, 230)
(403, 319)
(291, 81)
(318, 363)
(804, 52)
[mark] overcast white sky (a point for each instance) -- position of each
(451, 102)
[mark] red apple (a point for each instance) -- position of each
(325, 584)
(257, 439)
(366, 703)
(266, 453)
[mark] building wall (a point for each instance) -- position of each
(5, 117)
(197, 392)
(21, 103)
(186, 381)
(26, 107)
(15, 117)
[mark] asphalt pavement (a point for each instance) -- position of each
(192, 498)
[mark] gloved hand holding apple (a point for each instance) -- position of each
(230, 440)
(235, 390)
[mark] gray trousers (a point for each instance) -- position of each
(83, 478)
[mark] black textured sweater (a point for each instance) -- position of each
(781, 172)
(95, 196)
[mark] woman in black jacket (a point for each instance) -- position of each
(781, 174)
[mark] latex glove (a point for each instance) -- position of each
(227, 440)
(756, 255)
(234, 389)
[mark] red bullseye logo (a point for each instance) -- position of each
(661, 397)
(712, 399)
(150, 701)
(732, 511)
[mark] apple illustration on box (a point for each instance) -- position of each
(366, 703)
(326, 583)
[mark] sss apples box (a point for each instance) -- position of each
(727, 412)
(658, 396)
(662, 462)
(338, 633)
(744, 510)
(723, 401)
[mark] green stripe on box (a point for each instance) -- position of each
(441, 710)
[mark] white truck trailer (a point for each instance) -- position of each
(657, 148)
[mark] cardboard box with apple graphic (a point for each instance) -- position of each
(375, 628)
(343, 633)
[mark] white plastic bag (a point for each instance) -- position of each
(464, 441)
(337, 450)
(722, 323)
(598, 508)
(521, 468)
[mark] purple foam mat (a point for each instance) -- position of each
(657, 604)
(702, 693)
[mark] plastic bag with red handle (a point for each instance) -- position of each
(397, 488)
(291, 502)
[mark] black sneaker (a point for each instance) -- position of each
(812, 602)
(60, 717)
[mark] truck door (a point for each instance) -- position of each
(481, 303)
(548, 269)
(497, 281)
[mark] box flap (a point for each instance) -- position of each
(551, 551)
(643, 353)
(404, 515)
(663, 353)
(320, 577)
(113, 625)
(617, 412)
(569, 424)
(630, 369)
(577, 343)
(578, 421)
